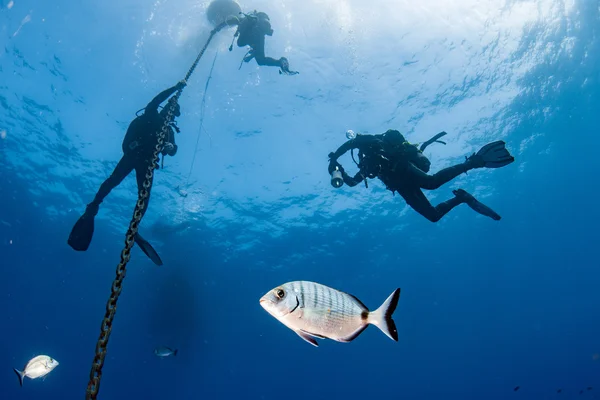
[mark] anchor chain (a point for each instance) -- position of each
(117, 286)
(212, 33)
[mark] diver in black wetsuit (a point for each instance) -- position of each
(251, 31)
(138, 148)
(403, 168)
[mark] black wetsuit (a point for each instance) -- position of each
(398, 170)
(138, 147)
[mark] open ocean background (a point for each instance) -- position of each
(486, 306)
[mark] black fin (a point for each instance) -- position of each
(148, 250)
(382, 317)
(82, 233)
(476, 205)
(495, 154)
(175, 352)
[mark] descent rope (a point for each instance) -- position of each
(202, 109)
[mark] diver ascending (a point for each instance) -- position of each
(403, 168)
(251, 31)
(138, 147)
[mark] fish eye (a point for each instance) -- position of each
(280, 293)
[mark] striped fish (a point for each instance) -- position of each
(314, 311)
(37, 367)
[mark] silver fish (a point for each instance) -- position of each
(37, 367)
(163, 351)
(314, 311)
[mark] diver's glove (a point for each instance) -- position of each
(168, 148)
(180, 85)
(334, 165)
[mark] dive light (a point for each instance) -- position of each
(336, 178)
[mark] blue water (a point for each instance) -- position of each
(486, 306)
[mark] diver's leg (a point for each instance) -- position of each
(430, 182)
(140, 174)
(261, 59)
(258, 51)
(418, 202)
(123, 168)
(83, 230)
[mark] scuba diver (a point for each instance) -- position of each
(138, 148)
(251, 31)
(403, 168)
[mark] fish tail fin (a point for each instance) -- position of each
(20, 374)
(175, 352)
(382, 317)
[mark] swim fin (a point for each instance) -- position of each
(148, 250)
(284, 67)
(83, 230)
(476, 205)
(495, 155)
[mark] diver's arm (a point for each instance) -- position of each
(352, 181)
(162, 96)
(356, 143)
(348, 180)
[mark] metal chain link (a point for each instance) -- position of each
(195, 64)
(117, 286)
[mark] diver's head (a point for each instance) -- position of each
(393, 137)
(262, 15)
(171, 103)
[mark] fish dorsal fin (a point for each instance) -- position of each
(354, 334)
(360, 303)
(307, 337)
